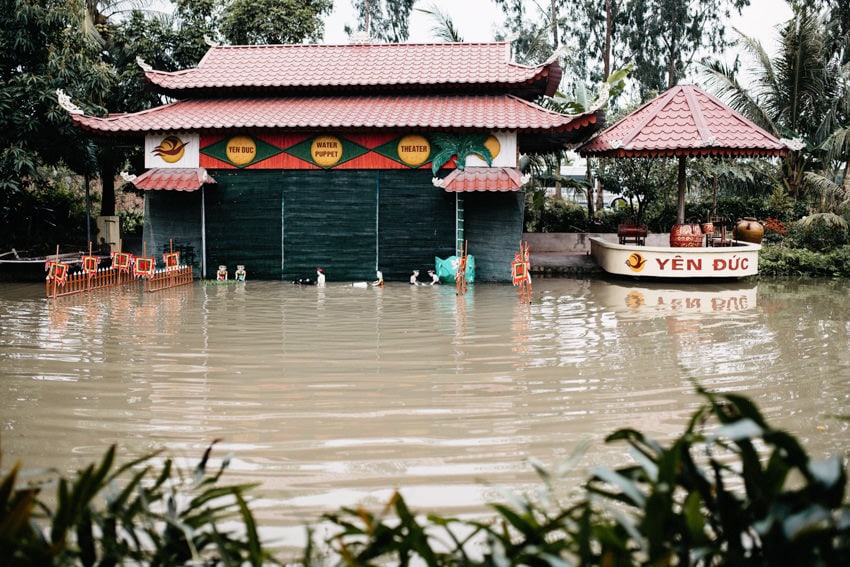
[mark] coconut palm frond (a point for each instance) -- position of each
(532, 164)
(800, 66)
(441, 158)
(461, 146)
(472, 144)
(830, 220)
(563, 105)
(444, 27)
(838, 145)
(837, 195)
(723, 82)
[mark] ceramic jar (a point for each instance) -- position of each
(685, 236)
(749, 230)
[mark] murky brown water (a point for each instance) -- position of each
(334, 396)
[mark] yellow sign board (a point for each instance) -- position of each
(326, 150)
(241, 150)
(414, 150)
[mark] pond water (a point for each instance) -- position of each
(334, 396)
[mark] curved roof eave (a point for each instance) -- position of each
(320, 68)
(501, 112)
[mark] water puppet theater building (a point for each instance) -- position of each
(353, 158)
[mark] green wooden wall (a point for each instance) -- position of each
(173, 221)
(285, 224)
(243, 222)
(417, 223)
(493, 227)
(329, 221)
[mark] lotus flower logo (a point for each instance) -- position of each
(635, 300)
(170, 149)
(636, 262)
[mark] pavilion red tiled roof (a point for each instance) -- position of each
(451, 113)
(323, 68)
(175, 179)
(683, 121)
(482, 179)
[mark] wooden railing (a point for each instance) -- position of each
(164, 279)
(82, 282)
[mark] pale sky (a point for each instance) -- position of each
(476, 19)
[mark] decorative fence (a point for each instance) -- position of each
(125, 271)
(82, 282)
(169, 277)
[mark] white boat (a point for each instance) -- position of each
(738, 260)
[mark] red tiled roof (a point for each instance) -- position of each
(453, 113)
(683, 121)
(329, 67)
(176, 179)
(482, 179)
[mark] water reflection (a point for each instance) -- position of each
(333, 396)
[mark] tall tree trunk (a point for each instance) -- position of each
(609, 29)
(554, 23)
(591, 190)
(108, 169)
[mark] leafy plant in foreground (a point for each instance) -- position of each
(134, 513)
(741, 493)
(730, 490)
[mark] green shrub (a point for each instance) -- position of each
(820, 232)
(132, 222)
(563, 216)
(779, 260)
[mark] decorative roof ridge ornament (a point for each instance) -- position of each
(437, 181)
(65, 103)
(360, 37)
(616, 144)
(141, 63)
(793, 144)
(561, 50)
(210, 41)
(127, 176)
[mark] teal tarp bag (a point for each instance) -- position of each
(447, 269)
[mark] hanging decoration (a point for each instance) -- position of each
(521, 272)
(144, 267)
(57, 272)
(172, 260)
(461, 284)
(122, 261)
(89, 265)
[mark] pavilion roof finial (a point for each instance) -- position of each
(141, 63)
(65, 102)
(360, 38)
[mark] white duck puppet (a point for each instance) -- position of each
(377, 283)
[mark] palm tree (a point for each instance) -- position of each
(799, 95)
